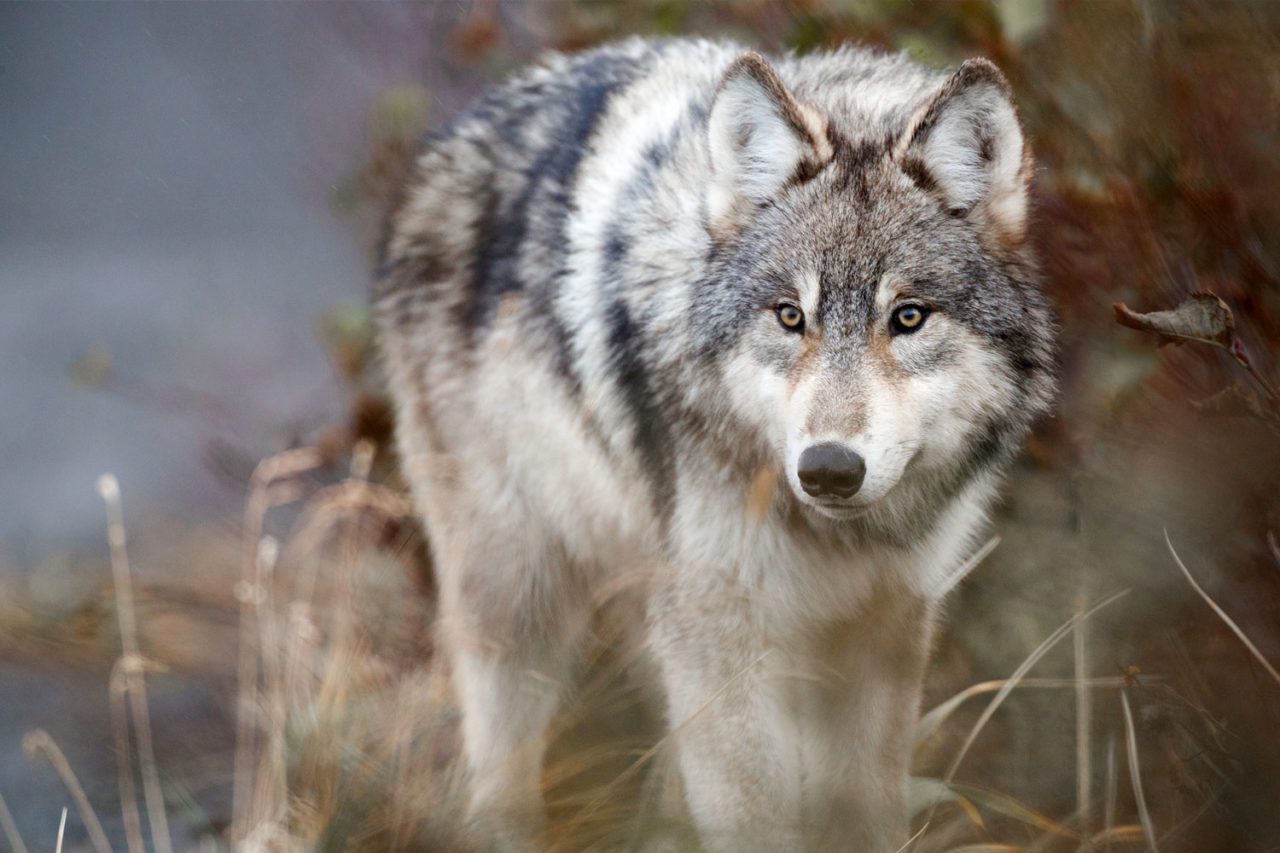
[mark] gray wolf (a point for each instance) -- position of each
(753, 338)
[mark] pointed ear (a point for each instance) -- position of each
(760, 138)
(965, 146)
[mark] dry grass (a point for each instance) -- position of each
(10, 829)
(345, 734)
(37, 743)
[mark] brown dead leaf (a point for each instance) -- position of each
(1205, 318)
(1202, 317)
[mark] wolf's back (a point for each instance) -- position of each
(490, 199)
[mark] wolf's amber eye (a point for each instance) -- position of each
(791, 317)
(908, 318)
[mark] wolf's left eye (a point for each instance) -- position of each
(791, 317)
(907, 319)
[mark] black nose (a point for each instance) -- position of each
(831, 469)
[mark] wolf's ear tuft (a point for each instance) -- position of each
(966, 146)
(760, 138)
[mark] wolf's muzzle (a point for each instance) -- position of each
(831, 470)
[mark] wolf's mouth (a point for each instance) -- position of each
(838, 510)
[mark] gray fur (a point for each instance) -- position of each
(576, 307)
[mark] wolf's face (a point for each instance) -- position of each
(889, 338)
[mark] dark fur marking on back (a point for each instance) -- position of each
(421, 266)
(503, 228)
(617, 241)
(651, 434)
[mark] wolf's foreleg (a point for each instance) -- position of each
(854, 702)
(506, 707)
(742, 790)
(512, 619)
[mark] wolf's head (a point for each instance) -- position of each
(889, 339)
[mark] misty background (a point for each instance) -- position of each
(171, 224)
(168, 175)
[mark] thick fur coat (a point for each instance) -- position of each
(752, 338)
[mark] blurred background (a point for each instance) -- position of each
(191, 197)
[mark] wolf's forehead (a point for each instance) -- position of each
(848, 295)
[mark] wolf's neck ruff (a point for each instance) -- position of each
(628, 282)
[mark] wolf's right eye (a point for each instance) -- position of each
(791, 317)
(907, 319)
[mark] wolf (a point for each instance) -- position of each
(753, 338)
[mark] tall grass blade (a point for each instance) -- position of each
(1009, 807)
(925, 793)
(38, 742)
(954, 579)
(118, 694)
(913, 839)
(1112, 790)
(10, 828)
(1084, 715)
(1135, 775)
(134, 679)
(933, 720)
(1031, 660)
(262, 497)
(1129, 833)
(1222, 614)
